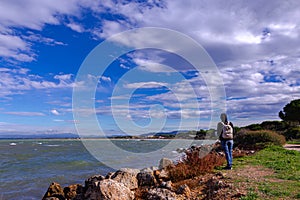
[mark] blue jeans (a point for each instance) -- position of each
(227, 147)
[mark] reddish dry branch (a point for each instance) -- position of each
(193, 165)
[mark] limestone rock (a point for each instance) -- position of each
(127, 176)
(160, 194)
(112, 190)
(54, 190)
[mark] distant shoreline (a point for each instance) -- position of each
(78, 139)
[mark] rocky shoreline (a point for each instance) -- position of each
(121, 185)
(125, 184)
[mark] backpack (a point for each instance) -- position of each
(227, 131)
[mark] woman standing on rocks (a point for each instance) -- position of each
(225, 132)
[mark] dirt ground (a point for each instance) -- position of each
(231, 184)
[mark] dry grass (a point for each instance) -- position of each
(193, 165)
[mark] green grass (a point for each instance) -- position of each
(294, 141)
(286, 165)
(251, 195)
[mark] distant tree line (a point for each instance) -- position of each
(289, 127)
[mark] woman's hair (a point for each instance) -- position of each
(225, 118)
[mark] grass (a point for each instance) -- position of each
(294, 141)
(285, 182)
(285, 162)
(251, 195)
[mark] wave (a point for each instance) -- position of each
(52, 145)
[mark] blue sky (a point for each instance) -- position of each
(43, 43)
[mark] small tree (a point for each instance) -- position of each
(291, 112)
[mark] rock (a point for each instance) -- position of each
(149, 169)
(51, 198)
(162, 175)
(54, 190)
(165, 162)
(180, 150)
(73, 192)
(160, 194)
(92, 192)
(127, 176)
(185, 190)
(112, 190)
(90, 181)
(146, 178)
(167, 185)
(108, 175)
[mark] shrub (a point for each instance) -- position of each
(193, 165)
(246, 139)
(292, 133)
(278, 126)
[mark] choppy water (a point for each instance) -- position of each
(27, 167)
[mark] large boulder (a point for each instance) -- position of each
(108, 189)
(112, 190)
(160, 194)
(54, 191)
(127, 176)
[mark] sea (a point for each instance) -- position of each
(29, 166)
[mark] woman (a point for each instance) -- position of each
(226, 142)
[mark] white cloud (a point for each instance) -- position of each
(150, 84)
(32, 37)
(18, 81)
(54, 112)
(105, 78)
(34, 14)
(151, 66)
(76, 27)
(26, 114)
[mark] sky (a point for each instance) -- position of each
(255, 46)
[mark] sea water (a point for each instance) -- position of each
(27, 167)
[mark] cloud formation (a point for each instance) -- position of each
(255, 45)
(20, 80)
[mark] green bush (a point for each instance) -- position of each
(292, 133)
(259, 139)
